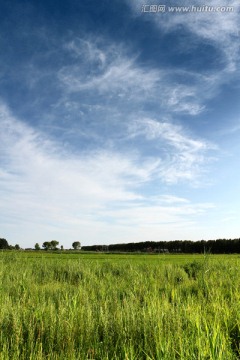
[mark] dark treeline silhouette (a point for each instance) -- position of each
(5, 246)
(219, 246)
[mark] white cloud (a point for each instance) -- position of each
(183, 99)
(171, 199)
(35, 158)
(182, 157)
(218, 28)
(119, 76)
(82, 48)
(45, 182)
(55, 192)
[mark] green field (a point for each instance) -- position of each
(105, 306)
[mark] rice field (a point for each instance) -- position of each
(133, 307)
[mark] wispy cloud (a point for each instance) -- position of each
(36, 169)
(42, 183)
(105, 69)
(113, 71)
(221, 28)
(182, 156)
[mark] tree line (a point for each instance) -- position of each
(47, 245)
(52, 245)
(5, 246)
(219, 246)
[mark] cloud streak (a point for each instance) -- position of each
(109, 70)
(105, 69)
(42, 183)
(182, 157)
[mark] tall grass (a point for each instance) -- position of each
(63, 308)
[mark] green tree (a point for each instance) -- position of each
(76, 245)
(54, 244)
(50, 245)
(3, 244)
(37, 246)
(46, 245)
(17, 247)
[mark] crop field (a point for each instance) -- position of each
(102, 306)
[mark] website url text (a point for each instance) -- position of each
(185, 9)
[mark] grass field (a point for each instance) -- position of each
(104, 306)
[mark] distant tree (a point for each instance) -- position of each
(76, 245)
(54, 244)
(17, 247)
(61, 247)
(37, 246)
(50, 245)
(3, 244)
(46, 245)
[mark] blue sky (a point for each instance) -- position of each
(118, 125)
